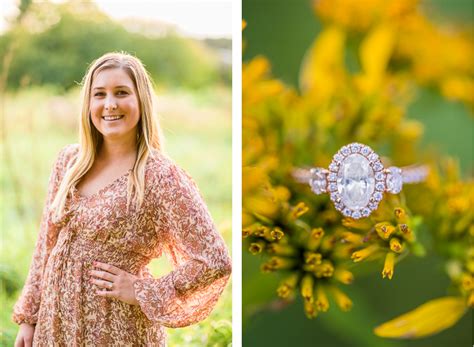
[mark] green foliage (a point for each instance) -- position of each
(53, 44)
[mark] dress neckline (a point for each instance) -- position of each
(75, 191)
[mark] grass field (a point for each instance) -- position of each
(37, 123)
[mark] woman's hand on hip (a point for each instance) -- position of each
(114, 283)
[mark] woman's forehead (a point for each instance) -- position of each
(112, 78)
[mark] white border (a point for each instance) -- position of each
(236, 173)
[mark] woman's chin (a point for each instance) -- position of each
(116, 134)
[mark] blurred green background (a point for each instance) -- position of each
(282, 31)
(43, 56)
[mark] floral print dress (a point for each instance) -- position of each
(174, 220)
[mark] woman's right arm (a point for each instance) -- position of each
(26, 308)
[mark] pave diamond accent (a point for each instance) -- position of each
(394, 180)
(365, 212)
(335, 197)
(338, 158)
(378, 166)
(373, 157)
(378, 196)
(355, 147)
(379, 176)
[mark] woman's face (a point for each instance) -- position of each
(114, 106)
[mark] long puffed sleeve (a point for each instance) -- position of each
(27, 306)
(199, 256)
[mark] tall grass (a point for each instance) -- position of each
(39, 122)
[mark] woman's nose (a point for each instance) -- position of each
(110, 103)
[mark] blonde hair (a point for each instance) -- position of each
(90, 139)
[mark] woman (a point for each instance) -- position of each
(114, 203)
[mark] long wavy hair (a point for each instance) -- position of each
(90, 139)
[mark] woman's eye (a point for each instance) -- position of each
(99, 94)
(122, 92)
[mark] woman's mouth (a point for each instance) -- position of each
(112, 118)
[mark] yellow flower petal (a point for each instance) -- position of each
(323, 66)
(307, 287)
(375, 52)
(428, 319)
(388, 265)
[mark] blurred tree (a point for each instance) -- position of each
(57, 42)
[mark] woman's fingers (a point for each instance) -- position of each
(102, 284)
(109, 268)
(103, 275)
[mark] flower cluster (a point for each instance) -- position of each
(300, 235)
(432, 54)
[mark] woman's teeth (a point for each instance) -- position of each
(110, 118)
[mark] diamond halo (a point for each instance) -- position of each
(357, 177)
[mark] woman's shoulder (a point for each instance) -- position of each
(164, 170)
(67, 153)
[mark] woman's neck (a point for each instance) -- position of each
(117, 150)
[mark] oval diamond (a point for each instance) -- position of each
(355, 182)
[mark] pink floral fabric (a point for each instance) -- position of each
(174, 220)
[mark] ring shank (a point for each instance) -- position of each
(410, 174)
(303, 175)
(414, 173)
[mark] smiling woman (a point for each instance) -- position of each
(115, 202)
(114, 97)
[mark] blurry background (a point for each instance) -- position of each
(45, 48)
(282, 31)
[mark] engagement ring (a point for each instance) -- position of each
(356, 179)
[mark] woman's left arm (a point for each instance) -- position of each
(202, 265)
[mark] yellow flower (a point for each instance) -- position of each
(344, 276)
(375, 52)
(322, 302)
(349, 237)
(307, 287)
(305, 237)
(325, 269)
(256, 247)
(364, 253)
(281, 249)
(428, 319)
(384, 230)
(322, 70)
(287, 286)
(388, 265)
(313, 258)
(310, 309)
(342, 300)
(395, 245)
(315, 238)
(298, 210)
(400, 215)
